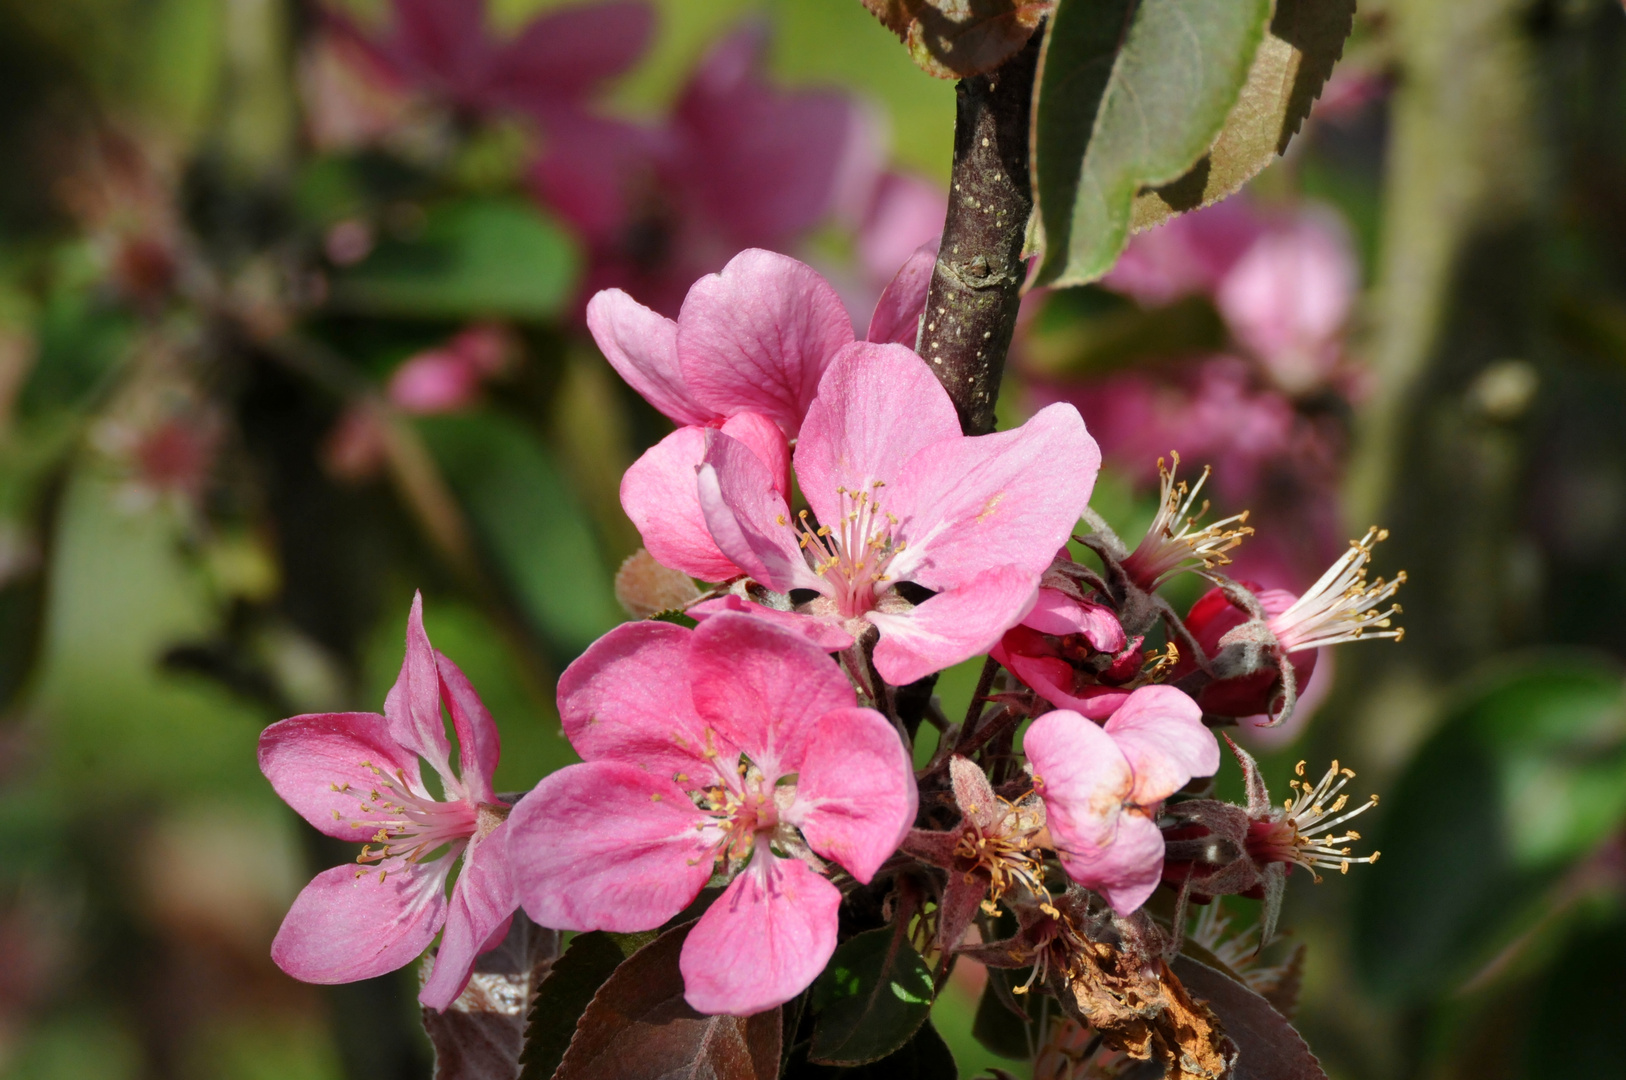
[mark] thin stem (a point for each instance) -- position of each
(977, 283)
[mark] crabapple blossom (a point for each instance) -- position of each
(448, 379)
(1049, 649)
(1341, 606)
(898, 495)
(355, 776)
(1102, 785)
(735, 747)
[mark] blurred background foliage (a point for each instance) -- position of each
(219, 485)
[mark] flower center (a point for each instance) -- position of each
(408, 824)
(1172, 545)
(1298, 837)
(1342, 606)
(742, 809)
(853, 553)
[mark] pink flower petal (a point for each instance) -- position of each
(413, 703)
(767, 442)
(762, 687)
(317, 763)
(1007, 499)
(563, 54)
(1052, 678)
(764, 165)
(1057, 613)
(642, 347)
(478, 747)
(627, 699)
(827, 634)
(482, 902)
(897, 312)
(661, 495)
(1160, 731)
(855, 795)
(905, 214)
(758, 336)
(748, 517)
(763, 941)
(443, 43)
(607, 846)
(1128, 870)
(343, 927)
(952, 626)
(1082, 775)
(878, 406)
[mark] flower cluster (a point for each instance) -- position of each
(749, 764)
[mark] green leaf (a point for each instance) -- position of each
(1525, 775)
(875, 992)
(997, 1026)
(564, 995)
(1118, 111)
(530, 524)
(472, 258)
(1304, 41)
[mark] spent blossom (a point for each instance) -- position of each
(1341, 606)
(736, 748)
(1174, 543)
(1102, 786)
(898, 495)
(1216, 849)
(355, 776)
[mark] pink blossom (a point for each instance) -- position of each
(1047, 649)
(355, 776)
(1188, 255)
(720, 747)
(746, 355)
(905, 211)
(1287, 298)
(553, 63)
(898, 494)
(448, 379)
(738, 164)
(1102, 786)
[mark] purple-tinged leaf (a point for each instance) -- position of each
(1268, 1046)
(638, 1027)
(480, 1034)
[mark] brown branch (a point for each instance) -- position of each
(977, 283)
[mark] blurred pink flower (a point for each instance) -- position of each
(355, 776)
(448, 379)
(900, 495)
(1288, 297)
(739, 163)
(905, 211)
(735, 747)
(554, 62)
(1102, 787)
(1190, 254)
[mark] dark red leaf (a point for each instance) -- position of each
(638, 1027)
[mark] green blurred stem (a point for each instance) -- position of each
(1459, 162)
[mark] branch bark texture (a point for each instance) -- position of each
(977, 284)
